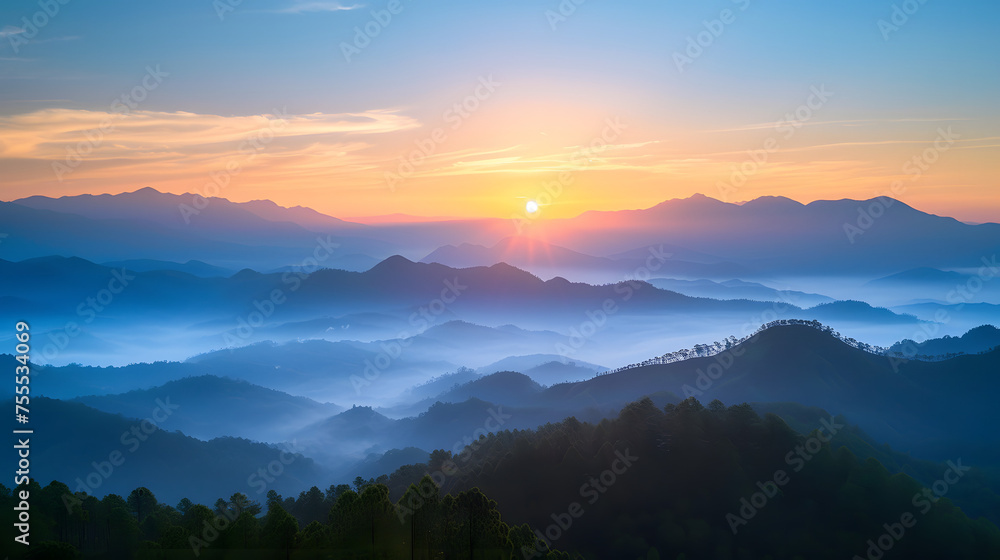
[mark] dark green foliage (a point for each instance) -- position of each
(694, 465)
(360, 526)
(653, 483)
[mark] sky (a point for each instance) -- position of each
(471, 109)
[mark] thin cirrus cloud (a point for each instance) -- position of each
(49, 133)
(311, 7)
(9, 31)
(164, 148)
(850, 122)
(572, 158)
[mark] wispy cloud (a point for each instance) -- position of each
(302, 7)
(572, 158)
(47, 133)
(170, 148)
(853, 122)
(9, 30)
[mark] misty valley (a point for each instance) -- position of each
(686, 381)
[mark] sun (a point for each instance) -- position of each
(531, 207)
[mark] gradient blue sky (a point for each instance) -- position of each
(686, 130)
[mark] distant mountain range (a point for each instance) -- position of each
(194, 268)
(450, 426)
(82, 443)
(887, 398)
(59, 284)
(922, 284)
(147, 224)
(547, 260)
(800, 364)
(215, 214)
(396, 300)
(738, 289)
(977, 340)
(210, 407)
(549, 367)
(779, 235)
(708, 238)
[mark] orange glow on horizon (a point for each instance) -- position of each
(340, 164)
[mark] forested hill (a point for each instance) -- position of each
(716, 482)
(682, 482)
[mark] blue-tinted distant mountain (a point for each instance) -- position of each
(512, 389)
(922, 284)
(506, 387)
(889, 399)
(489, 343)
(218, 215)
(558, 372)
(301, 215)
(194, 268)
(376, 465)
(547, 260)
(449, 426)
(766, 236)
(979, 339)
(779, 235)
(738, 289)
(856, 311)
(320, 369)
(211, 313)
(522, 363)
(355, 423)
(522, 252)
(429, 389)
(394, 282)
(923, 275)
(210, 407)
(350, 371)
(147, 224)
(958, 316)
(35, 233)
(545, 368)
(66, 283)
(346, 372)
(172, 465)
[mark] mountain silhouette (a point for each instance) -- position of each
(211, 406)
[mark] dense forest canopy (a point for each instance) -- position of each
(680, 482)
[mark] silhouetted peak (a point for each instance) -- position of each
(360, 413)
(396, 264)
(453, 327)
(145, 192)
(504, 269)
(506, 377)
(695, 202)
(265, 202)
(773, 202)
